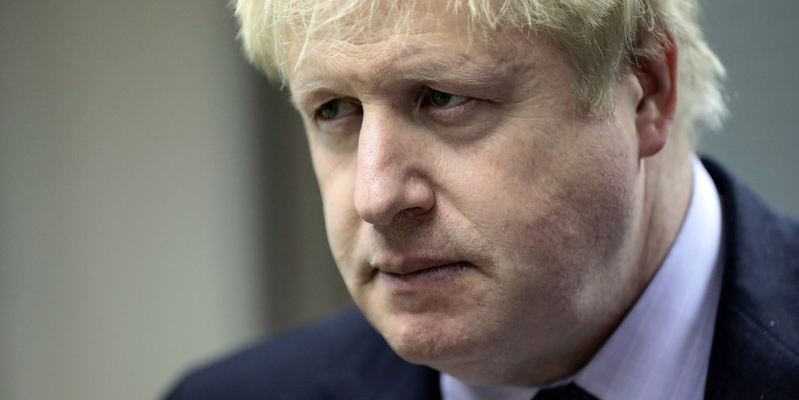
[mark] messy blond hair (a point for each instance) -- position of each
(599, 38)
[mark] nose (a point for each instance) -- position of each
(391, 174)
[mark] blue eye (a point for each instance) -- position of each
(335, 109)
(445, 100)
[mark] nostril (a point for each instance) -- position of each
(375, 206)
(379, 202)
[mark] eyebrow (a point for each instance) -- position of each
(450, 70)
(438, 71)
(310, 86)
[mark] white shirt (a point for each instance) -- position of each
(661, 350)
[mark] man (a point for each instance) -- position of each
(512, 198)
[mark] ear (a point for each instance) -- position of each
(657, 75)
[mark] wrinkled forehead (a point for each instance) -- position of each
(405, 23)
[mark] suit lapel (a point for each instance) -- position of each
(755, 347)
(386, 379)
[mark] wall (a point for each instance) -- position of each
(757, 43)
(128, 214)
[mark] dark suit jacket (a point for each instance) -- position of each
(755, 353)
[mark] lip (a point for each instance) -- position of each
(422, 272)
(403, 263)
(433, 271)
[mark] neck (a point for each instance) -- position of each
(667, 194)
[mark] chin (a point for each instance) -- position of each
(466, 355)
(433, 328)
(430, 339)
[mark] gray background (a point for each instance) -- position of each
(157, 206)
(757, 42)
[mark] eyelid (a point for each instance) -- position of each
(448, 115)
(350, 107)
(456, 114)
(459, 99)
(309, 102)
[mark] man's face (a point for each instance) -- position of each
(479, 219)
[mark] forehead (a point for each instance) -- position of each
(368, 21)
(427, 44)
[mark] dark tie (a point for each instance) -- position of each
(567, 392)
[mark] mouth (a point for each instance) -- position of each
(431, 274)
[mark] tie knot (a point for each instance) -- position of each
(566, 392)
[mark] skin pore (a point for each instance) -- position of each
(482, 222)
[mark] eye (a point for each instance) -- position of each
(335, 109)
(445, 100)
(447, 108)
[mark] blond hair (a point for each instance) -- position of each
(599, 37)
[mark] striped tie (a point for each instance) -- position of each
(567, 392)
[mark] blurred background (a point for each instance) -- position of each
(157, 205)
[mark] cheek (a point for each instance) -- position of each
(559, 207)
(341, 221)
(561, 253)
(595, 198)
(336, 180)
